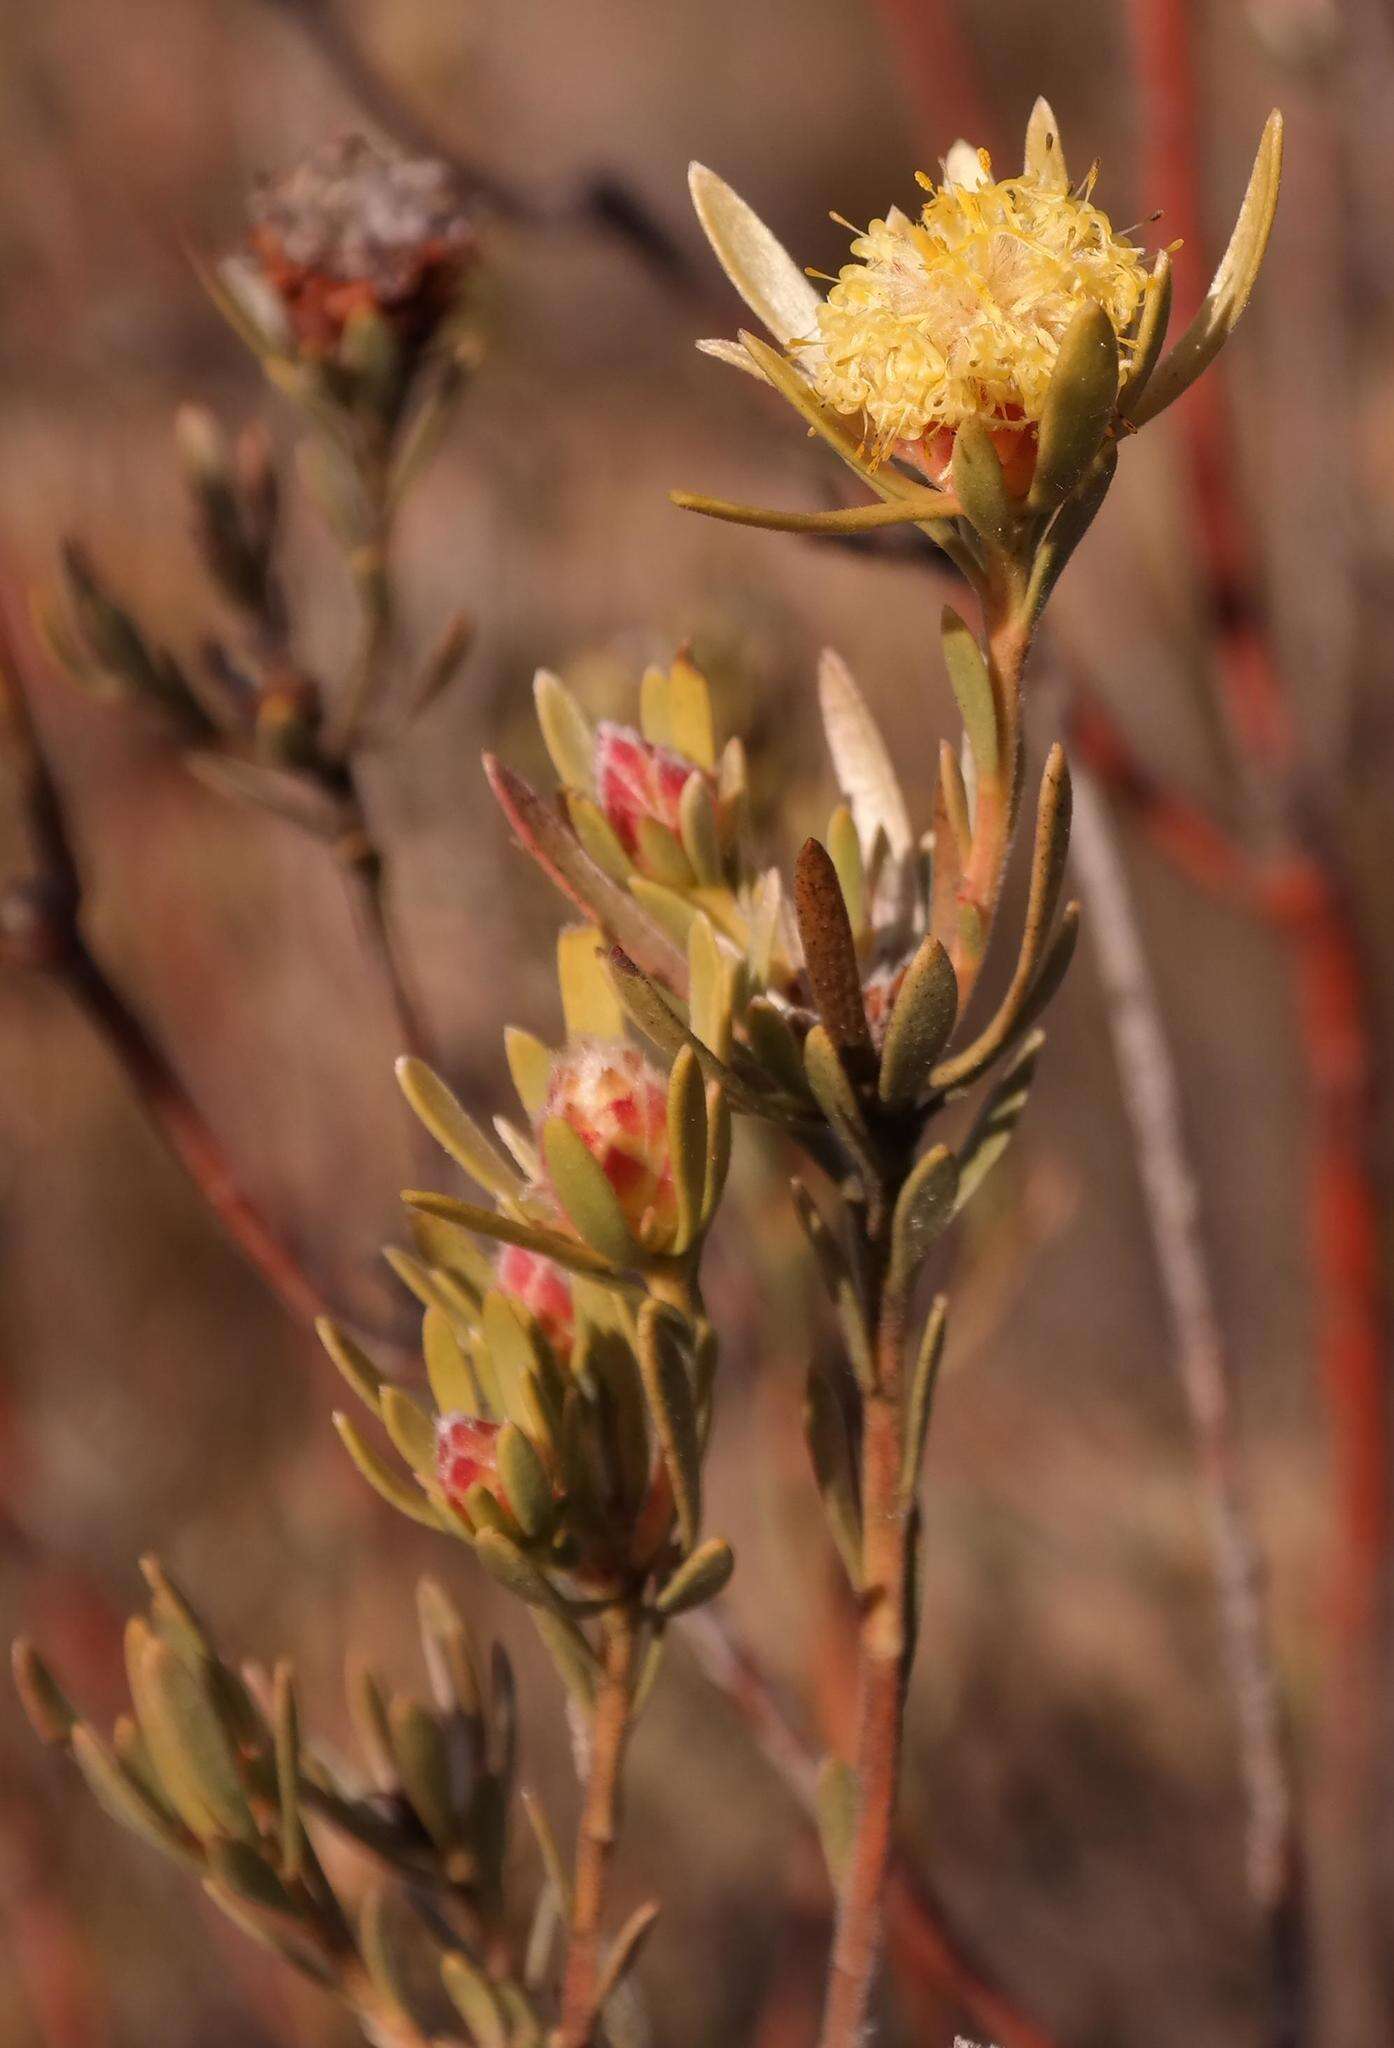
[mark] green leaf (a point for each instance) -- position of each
(567, 733)
(1079, 406)
(829, 1447)
(1150, 336)
(561, 857)
(525, 1481)
(190, 1746)
(844, 850)
(530, 1064)
(566, 1251)
(972, 688)
(571, 1654)
(397, 1491)
(454, 1130)
(591, 1205)
(836, 1097)
(588, 1000)
(353, 1362)
(712, 977)
(423, 1766)
(698, 1579)
(997, 1122)
(718, 1150)
(119, 1795)
(50, 1714)
(981, 488)
(920, 1025)
(701, 838)
(504, 1561)
(454, 1382)
(660, 855)
(1047, 875)
(920, 1402)
(623, 1954)
(663, 1368)
(598, 836)
(923, 1210)
(473, 1997)
(687, 1144)
(860, 758)
(285, 1718)
(1232, 283)
(411, 1429)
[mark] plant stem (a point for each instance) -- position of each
(1007, 638)
(599, 1826)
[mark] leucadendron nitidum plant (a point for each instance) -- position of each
(977, 367)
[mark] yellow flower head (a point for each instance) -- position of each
(960, 314)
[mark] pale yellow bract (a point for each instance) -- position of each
(960, 313)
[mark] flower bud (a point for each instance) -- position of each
(542, 1288)
(618, 1105)
(636, 780)
(466, 1451)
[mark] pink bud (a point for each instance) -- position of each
(618, 1104)
(466, 1452)
(544, 1290)
(1016, 451)
(637, 780)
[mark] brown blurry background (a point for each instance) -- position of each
(1072, 1782)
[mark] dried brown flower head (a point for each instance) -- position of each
(358, 228)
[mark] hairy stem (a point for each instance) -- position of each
(595, 1843)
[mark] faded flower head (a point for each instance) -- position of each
(539, 1285)
(359, 229)
(960, 313)
(617, 1103)
(635, 780)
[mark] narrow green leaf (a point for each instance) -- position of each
(589, 1003)
(700, 836)
(397, 1491)
(590, 1203)
(920, 1025)
(571, 1654)
(567, 1251)
(504, 1561)
(698, 1579)
(687, 1144)
(829, 1447)
(286, 1723)
(119, 1795)
(1047, 875)
(1232, 283)
(526, 1483)
(923, 1210)
(1079, 405)
(423, 1766)
(576, 874)
(567, 733)
(454, 1130)
(663, 1368)
(412, 1430)
(353, 1362)
(998, 1119)
(920, 1402)
(1148, 341)
(972, 688)
(530, 1064)
(454, 1382)
(50, 1714)
(473, 1997)
(981, 488)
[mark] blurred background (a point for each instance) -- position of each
(1221, 653)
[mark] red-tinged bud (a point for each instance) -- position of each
(1016, 451)
(879, 992)
(357, 229)
(544, 1290)
(637, 780)
(466, 1451)
(618, 1104)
